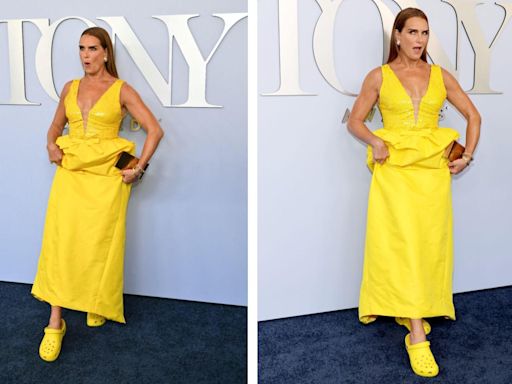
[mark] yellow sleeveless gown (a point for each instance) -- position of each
(408, 260)
(81, 261)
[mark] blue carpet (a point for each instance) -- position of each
(164, 341)
(334, 347)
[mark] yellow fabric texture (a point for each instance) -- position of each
(408, 262)
(82, 253)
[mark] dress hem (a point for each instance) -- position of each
(75, 308)
(367, 319)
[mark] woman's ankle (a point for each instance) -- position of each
(417, 337)
(55, 323)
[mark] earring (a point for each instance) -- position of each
(398, 43)
(105, 59)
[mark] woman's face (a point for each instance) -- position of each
(92, 54)
(414, 37)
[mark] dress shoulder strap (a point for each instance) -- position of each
(118, 84)
(72, 92)
(436, 71)
(73, 87)
(385, 70)
(387, 84)
(437, 80)
(115, 89)
(387, 74)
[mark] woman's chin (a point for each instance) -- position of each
(416, 54)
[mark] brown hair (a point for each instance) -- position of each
(104, 38)
(401, 18)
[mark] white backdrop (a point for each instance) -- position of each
(186, 230)
(313, 181)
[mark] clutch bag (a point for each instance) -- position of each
(454, 151)
(128, 161)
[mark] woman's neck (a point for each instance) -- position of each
(408, 63)
(99, 76)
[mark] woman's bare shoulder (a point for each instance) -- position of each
(373, 79)
(128, 92)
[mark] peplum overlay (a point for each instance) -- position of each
(408, 261)
(82, 253)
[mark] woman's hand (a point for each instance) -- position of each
(130, 175)
(457, 166)
(380, 151)
(54, 153)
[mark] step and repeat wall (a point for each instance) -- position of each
(313, 180)
(186, 229)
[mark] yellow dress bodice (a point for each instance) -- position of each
(104, 118)
(396, 106)
(94, 148)
(413, 141)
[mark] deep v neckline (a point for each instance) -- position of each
(415, 112)
(93, 106)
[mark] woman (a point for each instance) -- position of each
(81, 261)
(408, 255)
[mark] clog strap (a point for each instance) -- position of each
(422, 345)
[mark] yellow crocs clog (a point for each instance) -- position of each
(51, 344)
(406, 322)
(94, 320)
(421, 358)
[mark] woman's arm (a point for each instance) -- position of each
(364, 103)
(56, 128)
(131, 100)
(458, 98)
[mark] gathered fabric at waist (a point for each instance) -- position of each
(93, 154)
(418, 148)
